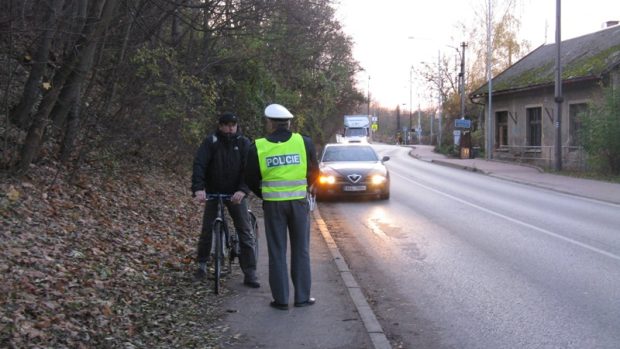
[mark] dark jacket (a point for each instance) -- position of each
(253, 175)
(219, 164)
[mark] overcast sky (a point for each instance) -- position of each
(381, 31)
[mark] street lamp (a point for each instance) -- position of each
(419, 130)
(368, 109)
(410, 100)
(404, 128)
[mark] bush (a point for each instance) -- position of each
(599, 133)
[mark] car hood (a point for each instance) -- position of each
(345, 168)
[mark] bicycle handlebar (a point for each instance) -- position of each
(217, 196)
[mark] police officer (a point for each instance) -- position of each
(280, 169)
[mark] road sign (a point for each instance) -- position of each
(462, 123)
(457, 137)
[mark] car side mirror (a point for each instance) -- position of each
(385, 158)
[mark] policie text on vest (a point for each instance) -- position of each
(283, 160)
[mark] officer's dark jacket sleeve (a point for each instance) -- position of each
(313, 164)
(245, 147)
(252, 171)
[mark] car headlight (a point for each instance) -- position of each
(377, 179)
(327, 179)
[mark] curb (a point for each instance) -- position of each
(373, 328)
(460, 167)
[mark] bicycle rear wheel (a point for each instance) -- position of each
(218, 233)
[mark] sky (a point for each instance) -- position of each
(390, 36)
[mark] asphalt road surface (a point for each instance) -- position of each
(461, 260)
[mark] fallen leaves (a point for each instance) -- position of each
(12, 194)
(102, 264)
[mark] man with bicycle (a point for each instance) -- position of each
(280, 169)
(218, 169)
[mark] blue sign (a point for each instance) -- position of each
(462, 123)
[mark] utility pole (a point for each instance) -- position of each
(462, 79)
(440, 97)
(558, 89)
(490, 127)
(432, 120)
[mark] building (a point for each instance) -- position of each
(523, 100)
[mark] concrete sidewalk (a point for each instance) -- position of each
(526, 174)
(341, 318)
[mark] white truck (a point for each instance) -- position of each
(356, 129)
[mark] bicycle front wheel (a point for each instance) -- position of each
(218, 237)
(254, 223)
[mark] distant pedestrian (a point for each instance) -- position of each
(280, 169)
(218, 169)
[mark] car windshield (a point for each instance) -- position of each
(349, 153)
(355, 132)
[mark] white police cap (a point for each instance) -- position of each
(276, 111)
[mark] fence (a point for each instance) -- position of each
(573, 158)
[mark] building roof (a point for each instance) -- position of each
(583, 58)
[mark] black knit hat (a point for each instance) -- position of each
(227, 118)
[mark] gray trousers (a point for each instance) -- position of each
(241, 221)
(293, 216)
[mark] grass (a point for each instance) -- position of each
(588, 175)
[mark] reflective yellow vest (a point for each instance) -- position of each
(283, 167)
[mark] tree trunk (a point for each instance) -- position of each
(121, 59)
(71, 89)
(92, 30)
(21, 113)
(69, 94)
(68, 143)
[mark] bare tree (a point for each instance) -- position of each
(102, 13)
(21, 114)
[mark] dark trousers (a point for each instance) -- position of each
(288, 219)
(241, 220)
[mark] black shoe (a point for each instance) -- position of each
(309, 302)
(250, 279)
(278, 306)
(252, 283)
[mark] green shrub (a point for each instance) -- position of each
(600, 133)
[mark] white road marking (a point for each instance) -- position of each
(513, 220)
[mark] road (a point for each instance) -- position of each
(461, 260)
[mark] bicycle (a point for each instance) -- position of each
(225, 242)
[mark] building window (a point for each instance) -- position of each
(534, 126)
(501, 129)
(575, 114)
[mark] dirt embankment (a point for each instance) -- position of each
(104, 261)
